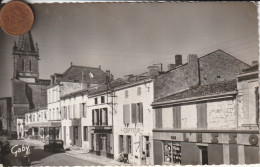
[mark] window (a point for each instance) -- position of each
(126, 93)
(30, 65)
(85, 133)
(139, 91)
(102, 99)
(172, 152)
(23, 64)
(201, 115)
(137, 112)
(100, 117)
(176, 116)
(82, 110)
(96, 100)
(158, 118)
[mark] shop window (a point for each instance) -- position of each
(96, 100)
(85, 133)
(103, 142)
(172, 152)
(102, 99)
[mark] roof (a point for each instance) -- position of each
(217, 88)
(81, 74)
(26, 44)
(105, 87)
(251, 69)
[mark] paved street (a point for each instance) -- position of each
(40, 157)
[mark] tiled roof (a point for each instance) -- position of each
(251, 69)
(104, 87)
(88, 74)
(217, 88)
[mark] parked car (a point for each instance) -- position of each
(13, 135)
(54, 145)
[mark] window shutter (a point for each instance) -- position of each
(81, 110)
(106, 116)
(137, 113)
(62, 112)
(124, 114)
(69, 112)
(141, 112)
(139, 91)
(108, 136)
(158, 118)
(176, 117)
(98, 142)
(133, 106)
(120, 143)
(71, 133)
(85, 110)
(93, 117)
(202, 115)
(65, 111)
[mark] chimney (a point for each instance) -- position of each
(127, 77)
(153, 70)
(254, 63)
(178, 60)
(193, 70)
(170, 66)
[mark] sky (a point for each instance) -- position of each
(126, 38)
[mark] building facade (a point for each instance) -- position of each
(203, 123)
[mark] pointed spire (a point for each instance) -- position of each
(25, 43)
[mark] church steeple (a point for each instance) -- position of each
(26, 57)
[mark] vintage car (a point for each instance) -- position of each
(54, 145)
(7, 158)
(13, 135)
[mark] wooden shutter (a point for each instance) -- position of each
(176, 117)
(65, 111)
(71, 133)
(62, 113)
(137, 113)
(141, 112)
(85, 110)
(202, 115)
(125, 107)
(158, 118)
(98, 142)
(93, 117)
(80, 135)
(133, 107)
(120, 144)
(106, 112)
(69, 112)
(111, 144)
(81, 110)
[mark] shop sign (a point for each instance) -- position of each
(132, 130)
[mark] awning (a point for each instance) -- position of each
(45, 124)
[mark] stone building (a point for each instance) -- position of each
(199, 122)
(6, 115)
(28, 91)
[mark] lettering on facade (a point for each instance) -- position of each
(185, 138)
(20, 150)
(232, 138)
(253, 140)
(199, 137)
(132, 130)
(173, 137)
(214, 138)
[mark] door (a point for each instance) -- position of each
(108, 145)
(204, 155)
(92, 142)
(64, 134)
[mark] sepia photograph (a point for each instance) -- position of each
(129, 83)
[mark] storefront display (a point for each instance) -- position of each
(172, 152)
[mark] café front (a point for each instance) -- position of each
(200, 147)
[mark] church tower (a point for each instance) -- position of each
(26, 57)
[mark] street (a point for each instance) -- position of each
(39, 157)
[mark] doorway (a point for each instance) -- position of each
(204, 155)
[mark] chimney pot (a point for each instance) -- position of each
(178, 60)
(254, 63)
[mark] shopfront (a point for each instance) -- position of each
(101, 141)
(206, 147)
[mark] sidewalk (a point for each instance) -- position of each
(84, 155)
